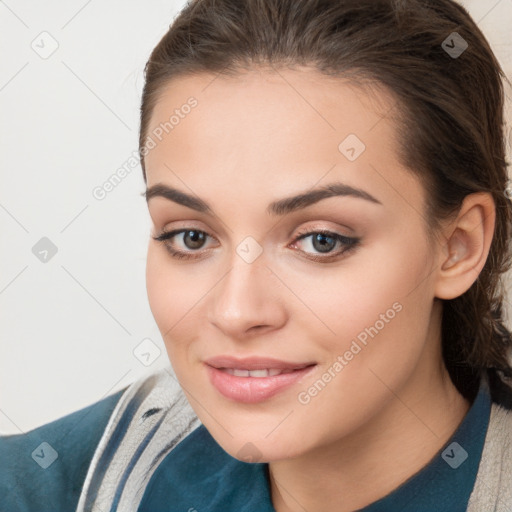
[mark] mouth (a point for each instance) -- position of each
(266, 372)
(254, 379)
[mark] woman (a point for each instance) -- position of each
(331, 220)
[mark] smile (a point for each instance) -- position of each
(253, 380)
(270, 372)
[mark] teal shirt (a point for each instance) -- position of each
(198, 474)
(32, 479)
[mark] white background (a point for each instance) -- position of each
(69, 326)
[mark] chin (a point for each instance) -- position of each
(260, 451)
(253, 444)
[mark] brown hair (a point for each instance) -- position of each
(451, 119)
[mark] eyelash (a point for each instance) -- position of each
(349, 242)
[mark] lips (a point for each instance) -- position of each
(254, 379)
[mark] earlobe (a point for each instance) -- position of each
(468, 241)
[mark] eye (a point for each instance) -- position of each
(322, 241)
(325, 241)
(192, 239)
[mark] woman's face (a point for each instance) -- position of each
(327, 324)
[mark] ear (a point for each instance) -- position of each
(467, 242)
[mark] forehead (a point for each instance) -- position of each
(259, 104)
(291, 128)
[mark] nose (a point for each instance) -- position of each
(247, 301)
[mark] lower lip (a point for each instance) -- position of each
(253, 389)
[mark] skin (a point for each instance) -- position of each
(263, 136)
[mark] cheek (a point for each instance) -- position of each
(157, 287)
(367, 290)
(176, 296)
(168, 294)
(380, 311)
(392, 306)
(381, 319)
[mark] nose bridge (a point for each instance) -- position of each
(242, 299)
(243, 283)
(247, 265)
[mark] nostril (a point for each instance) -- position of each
(258, 327)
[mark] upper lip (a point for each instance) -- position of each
(254, 363)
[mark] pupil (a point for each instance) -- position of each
(320, 237)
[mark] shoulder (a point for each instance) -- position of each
(154, 451)
(44, 469)
(152, 418)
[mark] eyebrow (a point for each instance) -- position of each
(280, 207)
